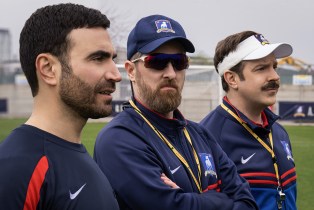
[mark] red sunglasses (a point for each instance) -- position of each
(159, 61)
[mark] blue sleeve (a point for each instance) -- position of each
(134, 169)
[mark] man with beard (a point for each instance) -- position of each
(243, 124)
(67, 56)
(153, 157)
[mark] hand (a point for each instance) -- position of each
(168, 182)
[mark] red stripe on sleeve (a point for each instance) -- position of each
(211, 187)
(37, 179)
(289, 180)
(287, 173)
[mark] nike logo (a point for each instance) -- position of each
(244, 161)
(174, 170)
(74, 195)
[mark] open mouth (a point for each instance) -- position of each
(106, 92)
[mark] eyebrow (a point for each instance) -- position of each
(103, 54)
(266, 64)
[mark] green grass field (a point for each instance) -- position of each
(302, 145)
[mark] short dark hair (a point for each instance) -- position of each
(46, 31)
(226, 46)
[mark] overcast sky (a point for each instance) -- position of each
(205, 21)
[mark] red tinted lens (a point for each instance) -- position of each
(155, 61)
(160, 61)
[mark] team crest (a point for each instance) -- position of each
(287, 150)
(299, 112)
(261, 39)
(164, 26)
(208, 164)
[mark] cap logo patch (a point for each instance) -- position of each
(261, 39)
(163, 26)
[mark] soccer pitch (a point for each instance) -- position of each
(302, 139)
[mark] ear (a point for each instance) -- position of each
(130, 69)
(231, 78)
(46, 66)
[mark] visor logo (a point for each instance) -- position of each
(164, 26)
(261, 39)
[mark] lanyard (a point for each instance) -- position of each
(173, 149)
(269, 149)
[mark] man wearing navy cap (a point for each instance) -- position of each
(243, 124)
(153, 157)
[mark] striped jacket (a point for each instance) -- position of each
(253, 161)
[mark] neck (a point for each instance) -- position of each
(56, 120)
(251, 111)
(167, 115)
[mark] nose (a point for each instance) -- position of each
(113, 73)
(274, 75)
(169, 71)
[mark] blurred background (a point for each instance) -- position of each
(206, 22)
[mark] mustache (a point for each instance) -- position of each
(105, 85)
(271, 85)
(169, 83)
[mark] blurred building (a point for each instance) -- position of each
(5, 45)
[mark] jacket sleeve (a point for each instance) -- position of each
(134, 170)
(232, 184)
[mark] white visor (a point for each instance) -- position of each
(252, 48)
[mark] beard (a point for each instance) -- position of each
(158, 100)
(80, 97)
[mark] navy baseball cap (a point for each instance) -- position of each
(152, 31)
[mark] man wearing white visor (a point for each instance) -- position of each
(243, 124)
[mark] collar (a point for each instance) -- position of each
(268, 117)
